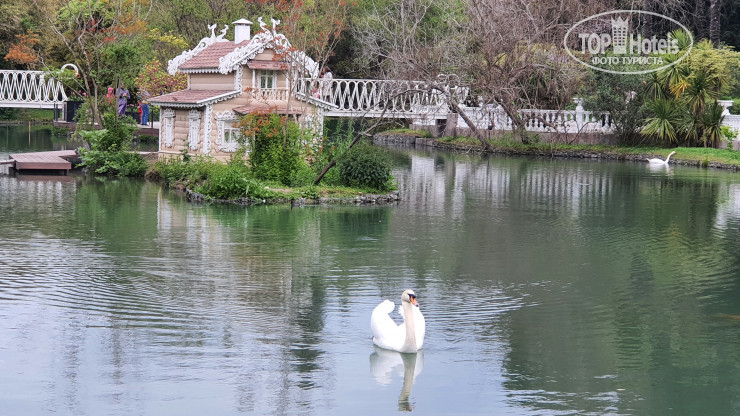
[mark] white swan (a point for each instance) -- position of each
(655, 161)
(407, 337)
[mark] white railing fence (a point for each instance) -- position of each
(732, 121)
(375, 97)
(417, 101)
(30, 89)
(545, 121)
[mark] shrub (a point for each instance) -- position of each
(275, 147)
(227, 182)
(365, 165)
(109, 149)
(190, 171)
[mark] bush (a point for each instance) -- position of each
(109, 149)
(190, 171)
(114, 163)
(226, 182)
(366, 166)
(275, 147)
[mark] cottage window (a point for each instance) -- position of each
(230, 135)
(267, 79)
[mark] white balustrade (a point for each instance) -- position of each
(545, 121)
(29, 89)
(733, 121)
(268, 94)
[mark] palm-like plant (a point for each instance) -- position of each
(666, 122)
(711, 124)
(698, 92)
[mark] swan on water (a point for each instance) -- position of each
(407, 337)
(655, 161)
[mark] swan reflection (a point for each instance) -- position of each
(659, 168)
(385, 365)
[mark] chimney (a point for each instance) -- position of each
(242, 29)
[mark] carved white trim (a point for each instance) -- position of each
(174, 63)
(261, 41)
(194, 129)
(168, 127)
(238, 74)
(208, 125)
(221, 120)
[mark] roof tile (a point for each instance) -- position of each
(208, 57)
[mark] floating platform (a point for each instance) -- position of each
(58, 160)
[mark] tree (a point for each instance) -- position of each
(103, 39)
(156, 81)
(479, 52)
(714, 9)
(23, 52)
(683, 98)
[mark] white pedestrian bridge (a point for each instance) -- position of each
(30, 89)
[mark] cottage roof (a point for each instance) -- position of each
(215, 54)
(193, 98)
(208, 58)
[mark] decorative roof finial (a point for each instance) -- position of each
(220, 37)
(213, 31)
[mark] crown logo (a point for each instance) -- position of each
(619, 35)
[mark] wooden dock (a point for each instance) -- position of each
(54, 160)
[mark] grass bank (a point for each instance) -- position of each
(690, 156)
(205, 180)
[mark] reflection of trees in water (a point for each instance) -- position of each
(580, 345)
(282, 257)
(643, 309)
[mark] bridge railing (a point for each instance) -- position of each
(388, 97)
(417, 100)
(29, 89)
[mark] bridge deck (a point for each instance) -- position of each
(54, 160)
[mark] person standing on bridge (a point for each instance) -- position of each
(325, 83)
(144, 97)
(122, 100)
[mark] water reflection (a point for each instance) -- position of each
(549, 287)
(385, 365)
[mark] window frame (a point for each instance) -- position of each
(266, 76)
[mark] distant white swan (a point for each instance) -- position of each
(407, 337)
(655, 161)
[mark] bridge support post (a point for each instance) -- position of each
(451, 125)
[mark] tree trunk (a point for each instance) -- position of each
(647, 27)
(700, 19)
(714, 6)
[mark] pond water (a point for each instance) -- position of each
(549, 287)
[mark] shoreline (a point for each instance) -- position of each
(362, 199)
(607, 154)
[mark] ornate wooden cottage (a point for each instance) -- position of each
(228, 79)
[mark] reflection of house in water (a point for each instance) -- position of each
(228, 79)
(249, 266)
